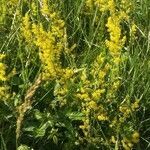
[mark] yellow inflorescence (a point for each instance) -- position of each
(135, 137)
(3, 78)
(61, 89)
(97, 84)
(106, 69)
(2, 68)
(115, 44)
(13, 2)
(45, 42)
(105, 5)
(91, 93)
(26, 28)
(45, 7)
(3, 10)
(128, 143)
(50, 40)
(118, 12)
(102, 117)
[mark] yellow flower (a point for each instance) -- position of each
(125, 146)
(135, 105)
(102, 117)
(2, 56)
(85, 97)
(113, 139)
(101, 74)
(92, 105)
(45, 7)
(13, 2)
(26, 28)
(49, 49)
(34, 8)
(130, 144)
(89, 3)
(97, 94)
(2, 72)
(135, 137)
(3, 87)
(133, 29)
(68, 73)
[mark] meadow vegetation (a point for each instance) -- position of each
(75, 74)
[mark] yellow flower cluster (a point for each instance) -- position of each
(84, 96)
(133, 30)
(26, 28)
(91, 91)
(7, 8)
(89, 3)
(45, 7)
(128, 143)
(115, 43)
(127, 110)
(2, 68)
(62, 86)
(107, 73)
(105, 5)
(34, 8)
(3, 11)
(3, 78)
(13, 2)
(49, 40)
(118, 11)
(47, 51)
(102, 117)
(135, 137)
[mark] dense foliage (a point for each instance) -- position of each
(74, 74)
